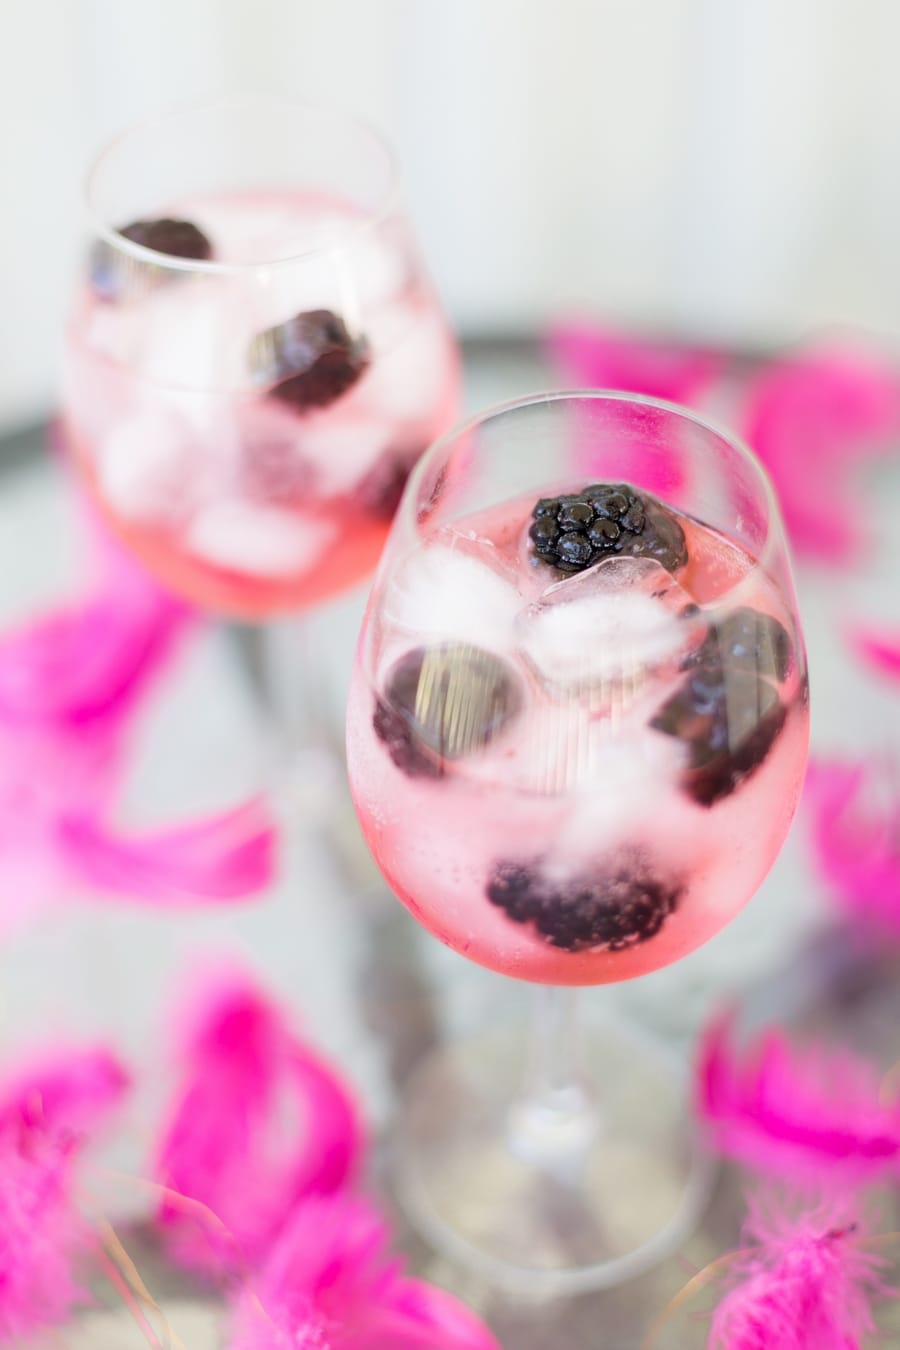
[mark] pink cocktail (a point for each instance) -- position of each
(256, 357)
(631, 745)
(576, 738)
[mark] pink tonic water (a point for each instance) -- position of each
(577, 773)
(247, 428)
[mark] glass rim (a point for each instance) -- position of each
(367, 221)
(774, 536)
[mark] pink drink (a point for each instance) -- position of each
(235, 490)
(587, 775)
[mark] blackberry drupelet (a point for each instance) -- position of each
(611, 911)
(311, 360)
(605, 520)
(442, 703)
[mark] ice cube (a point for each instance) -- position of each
(111, 330)
(191, 336)
(444, 592)
(146, 466)
(342, 450)
(621, 789)
(280, 294)
(266, 227)
(352, 279)
(263, 541)
(614, 624)
(413, 362)
(562, 750)
(375, 267)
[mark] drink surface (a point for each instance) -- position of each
(576, 777)
(248, 432)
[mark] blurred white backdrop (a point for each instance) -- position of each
(705, 167)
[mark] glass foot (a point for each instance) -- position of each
(580, 1190)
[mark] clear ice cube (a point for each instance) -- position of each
(189, 336)
(342, 450)
(353, 279)
(411, 360)
(263, 541)
(146, 466)
(613, 625)
(447, 593)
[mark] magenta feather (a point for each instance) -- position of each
(879, 648)
(812, 419)
(806, 1282)
(853, 815)
(595, 357)
(71, 685)
(259, 1123)
(66, 1092)
(227, 856)
(791, 1111)
(329, 1283)
(49, 1109)
(590, 356)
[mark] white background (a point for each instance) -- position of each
(728, 167)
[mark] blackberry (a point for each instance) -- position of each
(310, 361)
(441, 703)
(174, 238)
(605, 520)
(747, 640)
(393, 730)
(611, 912)
(729, 720)
(111, 271)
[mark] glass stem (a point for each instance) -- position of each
(291, 687)
(554, 1122)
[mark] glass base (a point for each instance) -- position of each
(580, 1191)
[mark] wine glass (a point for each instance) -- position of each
(256, 356)
(577, 733)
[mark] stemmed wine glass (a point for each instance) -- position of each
(256, 356)
(577, 733)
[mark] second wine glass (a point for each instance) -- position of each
(256, 356)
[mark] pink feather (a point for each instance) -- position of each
(589, 356)
(595, 357)
(879, 648)
(67, 1092)
(853, 813)
(812, 419)
(806, 1283)
(330, 1284)
(71, 684)
(227, 856)
(48, 1111)
(91, 660)
(786, 1110)
(259, 1123)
